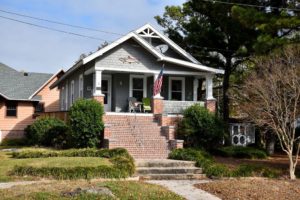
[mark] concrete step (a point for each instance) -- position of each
(168, 170)
(172, 177)
(163, 163)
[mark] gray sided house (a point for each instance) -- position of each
(129, 66)
(124, 72)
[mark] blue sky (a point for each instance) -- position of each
(30, 48)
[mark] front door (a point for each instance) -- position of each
(106, 90)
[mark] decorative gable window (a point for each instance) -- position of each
(11, 108)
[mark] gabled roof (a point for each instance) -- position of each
(138, 35)
(16, 85)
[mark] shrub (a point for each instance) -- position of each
(85, 119)
(201, 128)
(217, 170)
(46, 131)
(247, 170)
(123, 164)
(14, 142)
(241, 152)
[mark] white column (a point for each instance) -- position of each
(209, 87)
(97, 82)
(195, 90)
(158, 96)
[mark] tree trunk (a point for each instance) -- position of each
(225, 94)
(292, 168)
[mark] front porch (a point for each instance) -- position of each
(113, 89)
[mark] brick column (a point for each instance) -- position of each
(99, 98)
(157, 105)
(211, 105)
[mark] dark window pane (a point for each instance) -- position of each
(11, 109)
(176, 85)
(104, 86)
(176, 96)
(137, 83)
(105, 97)
(39, 107)
(138, 94)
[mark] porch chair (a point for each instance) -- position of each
(132, 105)
(146, 104)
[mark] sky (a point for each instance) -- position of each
(33, 49)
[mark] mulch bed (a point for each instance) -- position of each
(253, 189)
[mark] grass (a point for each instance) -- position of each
(124, 190)
(7, 163)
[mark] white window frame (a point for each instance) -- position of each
(80, 86)
(66, 96)
(144, 77)
(72, 88)
(63, 97)
(182, 79)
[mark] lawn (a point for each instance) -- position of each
(7, 163)
(124, 190)
(253, 189)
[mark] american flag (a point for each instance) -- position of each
(158, 83)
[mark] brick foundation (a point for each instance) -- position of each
(157, 105)
(211, 105)
(99, 99)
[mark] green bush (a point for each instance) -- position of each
(46, 131)
(201, 128)
(14, 142)
(241, 152)
(213, 169)
(85, 119)
(123, 164)
(89, 152)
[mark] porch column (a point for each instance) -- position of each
(210, 102)
(196, 85)
(157, 100)
(97, 82)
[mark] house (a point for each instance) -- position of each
(129, 67)
(22, 95)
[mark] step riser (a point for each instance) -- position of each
(173, 177)
(187, 164)
(168, 171)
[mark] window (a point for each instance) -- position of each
(176, 88)
(138, 87)
(11, 108)
(62, 98)
(39, 107)
(72, 92)
(80, 86)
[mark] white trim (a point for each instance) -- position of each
(182, 79)
(50, 79)
(209, 87)
(66, 95)
(129, 114)
(152, 71)
(62, 98)
(80, 86)
(97, 82)
(72, 94)
(192, 65)
(169, 41)
(144, 77)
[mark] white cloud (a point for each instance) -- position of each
(32, 49)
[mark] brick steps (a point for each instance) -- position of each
(140, 135)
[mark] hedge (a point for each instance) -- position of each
(241, 152)
(213, 169)
(123, 164)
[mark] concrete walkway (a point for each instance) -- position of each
(186, 189)
(11, 184)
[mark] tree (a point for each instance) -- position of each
(221, 38)
(270, 96)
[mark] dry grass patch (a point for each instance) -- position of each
(253, 189)
(124, 190)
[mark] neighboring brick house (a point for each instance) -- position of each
(129, 67)
(22, 95)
